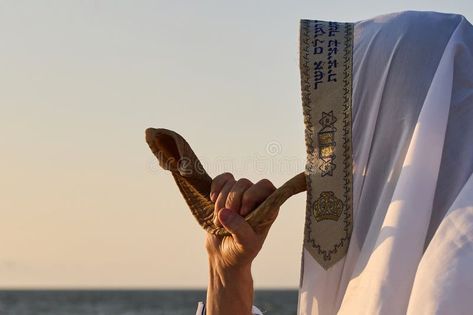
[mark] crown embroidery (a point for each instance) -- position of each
(327, 207)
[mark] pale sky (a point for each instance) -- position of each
(82, 200)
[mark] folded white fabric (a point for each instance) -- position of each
(411, 249)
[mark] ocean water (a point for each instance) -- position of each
(129, 302)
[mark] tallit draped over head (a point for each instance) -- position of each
(388, 108)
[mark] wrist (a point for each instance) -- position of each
(230, 277)
(230, 290)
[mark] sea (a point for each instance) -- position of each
(129, 302)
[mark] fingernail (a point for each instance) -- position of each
(226, 215)
(213, 196)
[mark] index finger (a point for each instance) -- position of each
(217, 184)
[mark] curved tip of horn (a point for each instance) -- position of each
(150, 133)
(164, 145)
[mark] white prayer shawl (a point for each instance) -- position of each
(411, 249)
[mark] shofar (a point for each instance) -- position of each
(175, 154)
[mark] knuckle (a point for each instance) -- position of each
(220, 203)
(266, 183)
(230, 202)
(244, 182)
(223, 195)
(248, 197)
(222, 178)
(226, 175)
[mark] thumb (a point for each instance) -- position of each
(241, 231)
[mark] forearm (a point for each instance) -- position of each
(230, 291)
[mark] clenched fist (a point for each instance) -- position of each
(230, 288)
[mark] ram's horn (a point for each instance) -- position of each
(175, 154)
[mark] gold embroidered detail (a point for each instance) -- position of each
(326, 137)
(327, 207)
